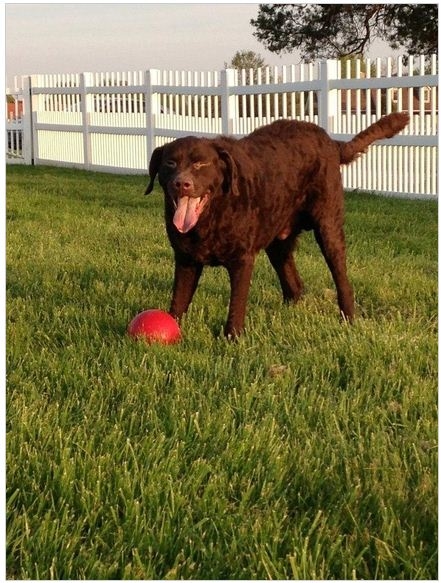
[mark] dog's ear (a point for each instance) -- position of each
(231, 173)
(155, 162)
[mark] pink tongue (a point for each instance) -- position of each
(185, 216)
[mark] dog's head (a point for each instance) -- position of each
(191, 172)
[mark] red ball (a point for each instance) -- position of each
(155, 326)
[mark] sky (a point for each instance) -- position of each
(99, 37)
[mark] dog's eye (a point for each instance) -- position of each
(198, 165)
(170, 163)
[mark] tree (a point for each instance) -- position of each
(337, 30)
(245, 60)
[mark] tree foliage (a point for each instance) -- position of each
(246, 60)
(336, 30)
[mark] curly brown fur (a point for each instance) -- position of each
(227, 199)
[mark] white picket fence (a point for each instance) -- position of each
(113, 121)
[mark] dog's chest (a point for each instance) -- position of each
(213, 247)
(224, 233)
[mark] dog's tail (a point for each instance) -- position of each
(386, 127)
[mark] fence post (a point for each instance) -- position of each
(27, 114)
(328, 103)
(152, 108)
(86, 109)
(36, 105)
(228, 102)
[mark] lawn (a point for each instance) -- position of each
(305, 450)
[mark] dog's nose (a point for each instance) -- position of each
(184, 184)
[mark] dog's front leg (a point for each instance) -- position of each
(240, 280)
(185, 283)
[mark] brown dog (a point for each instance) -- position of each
(226, 199)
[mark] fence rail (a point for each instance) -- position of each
(113, 121)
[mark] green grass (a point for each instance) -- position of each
(305, 450)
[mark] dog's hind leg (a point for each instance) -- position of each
(280, 255)
(331, 240)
